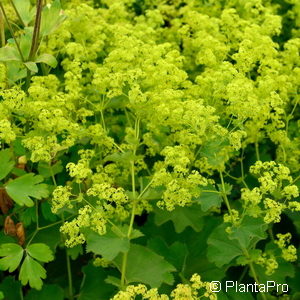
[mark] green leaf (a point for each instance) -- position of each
(48, 292)
(25, 42)
(50, 236)
(28, 216)
(175, 254)
(31, 66)
(47, 213)
(8, 53)
(209, 198)
(51, 18)
(250, 230)
(285, 269)
(18, 172)
(11, 288)
(13, 254)
(135, 234)
(6, 163)
(26, 13)
(15, 71)
(75, 251)
(122, 157)
(47, 171)
(222, 250)
(6, 239)
(47, 59)
(32, 272)
(29, 185)
(197, 261)
(18, 147)
(108, 245)
(114, 281)
(92, 281)
(40, 252)
(145, 266)
(181, 217)
(212, 151)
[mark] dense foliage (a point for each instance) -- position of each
(149, 147)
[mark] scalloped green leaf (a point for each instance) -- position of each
(40, 251)
(32, 272)
(23, 188)
(182, 217)
(6, 163)
(146, 266)
(13, 254)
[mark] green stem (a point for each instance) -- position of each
(11, 32)
(71, 297)
(257, 151)
(36, 30)
(289, 117)
(243, 274)
(69, 270)
(296, 179)
(225, 196)
(35, 39)
(124, 260)
(52, 174)
(17, 12)
(145, 189)
(2, 30)
(252, 269)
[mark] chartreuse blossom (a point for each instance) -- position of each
(88, 217)
(61, 198)
(289, 252)
(268, 262)
(196, 289)
(81, 170)
(274, 194)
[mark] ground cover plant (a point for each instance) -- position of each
(149, 148)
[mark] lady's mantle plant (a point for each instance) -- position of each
(150, 147)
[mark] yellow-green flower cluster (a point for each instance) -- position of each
(288, 252)
(196, 289)
(268, 261)
(88, 217)
(61, 198)
(271, 175)
(81, 170)
(273, 210)
(233, 218)
(276, 182)
(101, 262)
(7, 134)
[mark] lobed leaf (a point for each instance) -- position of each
(13, 254)
(26, 186)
